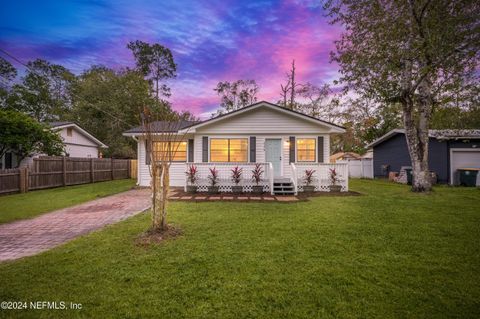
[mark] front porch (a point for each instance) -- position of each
(291, 183)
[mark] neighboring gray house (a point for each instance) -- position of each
(78, 143)
(284, 142)
(449, 150)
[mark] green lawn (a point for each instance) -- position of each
(31, 204)
(387, 254)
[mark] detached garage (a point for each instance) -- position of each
(450, 152)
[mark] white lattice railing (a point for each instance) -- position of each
(321, 177)
(225, 182)
(293, 170)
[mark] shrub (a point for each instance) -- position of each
(213, 177)
(237, 174)
(257, 174)
(309, 176)
(333, 177)
(192, 174)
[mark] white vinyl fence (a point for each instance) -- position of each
(362, 168)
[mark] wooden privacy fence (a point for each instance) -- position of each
(49, 172)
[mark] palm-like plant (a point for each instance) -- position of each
(213, 177)
(237, 174)
(334, 177)
(192, 174)
(309, 176)
(257, 173)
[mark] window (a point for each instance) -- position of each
(306, 149)
(176, 150)
(228, 150)
(69, 131)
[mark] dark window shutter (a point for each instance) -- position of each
(253, 149)
(292, 149)
(190, 150)
(147, 152)
(205, 149)
(320, 149)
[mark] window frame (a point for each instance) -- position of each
(173, 161)
(315, 151)
(228, 148)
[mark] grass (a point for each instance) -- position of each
(387, 254)
(31, 204)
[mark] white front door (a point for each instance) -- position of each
(273, 154)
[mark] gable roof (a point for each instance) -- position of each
(190, 126)
(336, 128)
(61, 125)
(448, 134)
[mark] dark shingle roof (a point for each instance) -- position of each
(438, 134)
(163, 126)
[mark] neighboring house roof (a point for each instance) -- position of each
(61, 125)
(190, 126)
(162, 127)
(338, 155)
(438, 134)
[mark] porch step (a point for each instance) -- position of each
(283, 187)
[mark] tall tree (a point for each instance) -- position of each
(407, 52)
(7, 74)
(106, 104)
(236, 95)
(44, 92)
(156, 62)
(24, 136)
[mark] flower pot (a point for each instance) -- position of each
(335, 188)
(213, 189)
(257, 189)
(237, 189)
(191, 189)
(308, 189)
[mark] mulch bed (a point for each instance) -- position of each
(152, 237)
(180, 195)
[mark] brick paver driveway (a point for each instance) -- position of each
(29, 237)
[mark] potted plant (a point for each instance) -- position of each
(308, 187)
(213, 177)
(236, 178)
(333, 181)
(191, 179)
(257, 178)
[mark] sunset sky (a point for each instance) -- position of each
(211, 41)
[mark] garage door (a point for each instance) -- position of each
(464, 159)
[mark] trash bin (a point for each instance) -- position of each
(408, 171)
(468, 176)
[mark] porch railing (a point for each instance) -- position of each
(321, 177)
(225, 182)
(293, 171)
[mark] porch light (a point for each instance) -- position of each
(287, 143)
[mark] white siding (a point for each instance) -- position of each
(81, 150)
(78, 145)
(263, 120)
(76, 138)
(177, 170)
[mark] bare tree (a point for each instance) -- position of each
(290, 89)
(162, 142)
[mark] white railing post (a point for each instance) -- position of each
(186, 179)
(270, 177)
(294, 178)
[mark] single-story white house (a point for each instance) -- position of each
(78, 143)
(283, 141)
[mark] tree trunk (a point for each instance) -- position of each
(156, 196)
(417, 142)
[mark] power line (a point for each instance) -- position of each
(11, 56)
